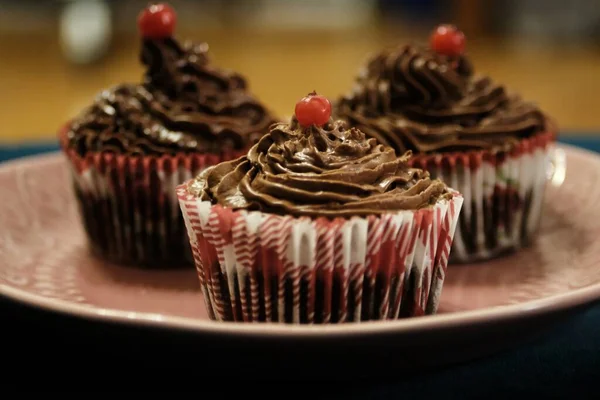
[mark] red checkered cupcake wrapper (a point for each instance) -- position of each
(255, 266)
(129, 207)
(503, 195)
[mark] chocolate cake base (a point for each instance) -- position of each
(135, 230)
(393, 297)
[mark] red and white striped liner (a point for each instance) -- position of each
(503, 195)
(128, 204)
(255, 266)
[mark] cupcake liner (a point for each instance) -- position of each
(503, 195)
(260, 267)
(128, 204)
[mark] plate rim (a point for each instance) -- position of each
(571, 299)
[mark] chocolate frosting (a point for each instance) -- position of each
(184, 104)
(326, 171)
(413, 98)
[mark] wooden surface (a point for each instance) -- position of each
(39, 89)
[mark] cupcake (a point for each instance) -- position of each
(318, 224)
(136, 142)
(466, 129)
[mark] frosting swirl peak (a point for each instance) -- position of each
(319, 171)
(184, 104)
(413, 98)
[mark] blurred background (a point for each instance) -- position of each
(56, 55)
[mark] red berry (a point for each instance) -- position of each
(313, 110)
(448, 40)
(157, 21)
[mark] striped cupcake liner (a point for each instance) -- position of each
(503, 196)
(129, 207)
(260, 267)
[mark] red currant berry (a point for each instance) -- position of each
(157, 21)
(313, 110)
(448, 40)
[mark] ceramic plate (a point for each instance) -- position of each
(45, 263)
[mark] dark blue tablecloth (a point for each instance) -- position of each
(563, 363)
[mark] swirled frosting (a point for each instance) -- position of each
(184, 104)
(413, 98)
(319, 171)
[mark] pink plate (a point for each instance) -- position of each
(45, 263)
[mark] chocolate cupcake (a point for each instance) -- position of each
(137, 141)
(318, 224)
(490, 145)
